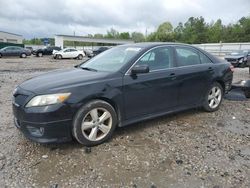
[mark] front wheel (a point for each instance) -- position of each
(80, 57)
(0, 55)
(94, 123)
(213, 98)
(58, 56)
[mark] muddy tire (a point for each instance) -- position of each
(94, 123)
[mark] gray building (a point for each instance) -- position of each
(10, 37)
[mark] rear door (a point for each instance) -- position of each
(73, 53)
(153, 92)
(17, 51)
(66, 53)
(9, 51)
(195, 71)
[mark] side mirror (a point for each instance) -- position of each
(140, 69)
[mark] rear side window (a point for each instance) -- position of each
(157, 59)
(187, 56)
(204, 59)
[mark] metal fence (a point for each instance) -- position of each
(220, 49)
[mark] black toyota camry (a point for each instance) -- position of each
(120, 86)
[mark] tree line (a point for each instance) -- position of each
(194, 31)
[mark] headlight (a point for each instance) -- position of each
(241, 60)
(44, 100)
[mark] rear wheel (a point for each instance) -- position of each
(213, 98)
(80, 57)
(23, 55)
(40, 54)
(0, 55)
(94, 123)
(247, 93)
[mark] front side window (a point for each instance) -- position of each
(187, 56)
(157, 59)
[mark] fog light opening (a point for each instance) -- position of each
(37, 132)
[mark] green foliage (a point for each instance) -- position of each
(124, 35)
(137, 37)
(193, 31)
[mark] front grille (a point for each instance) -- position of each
(20, 99)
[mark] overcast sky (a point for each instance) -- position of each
(45, 18)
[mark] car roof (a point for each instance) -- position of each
(154, 44)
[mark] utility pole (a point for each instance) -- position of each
(74, 41)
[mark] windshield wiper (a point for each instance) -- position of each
(89, 69)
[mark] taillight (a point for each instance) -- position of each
(232, 68)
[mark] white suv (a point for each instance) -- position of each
(69, 53)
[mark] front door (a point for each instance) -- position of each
(153, 92)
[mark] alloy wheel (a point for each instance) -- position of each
(96, 124)
(214, 97)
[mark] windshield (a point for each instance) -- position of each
(113, 59)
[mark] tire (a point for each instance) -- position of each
(247, 94)
(58, 56)
(80, 57)
(213, 98)
(23, 55)
(0, 55)
(40, 54)
(95, 131)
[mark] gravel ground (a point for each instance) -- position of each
(188, 149)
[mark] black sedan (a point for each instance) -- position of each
(123, 85)
(14, 51)
(48, 50)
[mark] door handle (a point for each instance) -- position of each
(172, 76)
(210, 69)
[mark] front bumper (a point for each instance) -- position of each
(45, 132)
(45, 124)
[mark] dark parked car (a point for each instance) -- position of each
(123, 85)
(99, 50)
(14, 51)
(46, 51)
(239, 58)
(30, 48)
(92, 53)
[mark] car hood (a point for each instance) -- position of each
(234, 56)
(62, 80)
